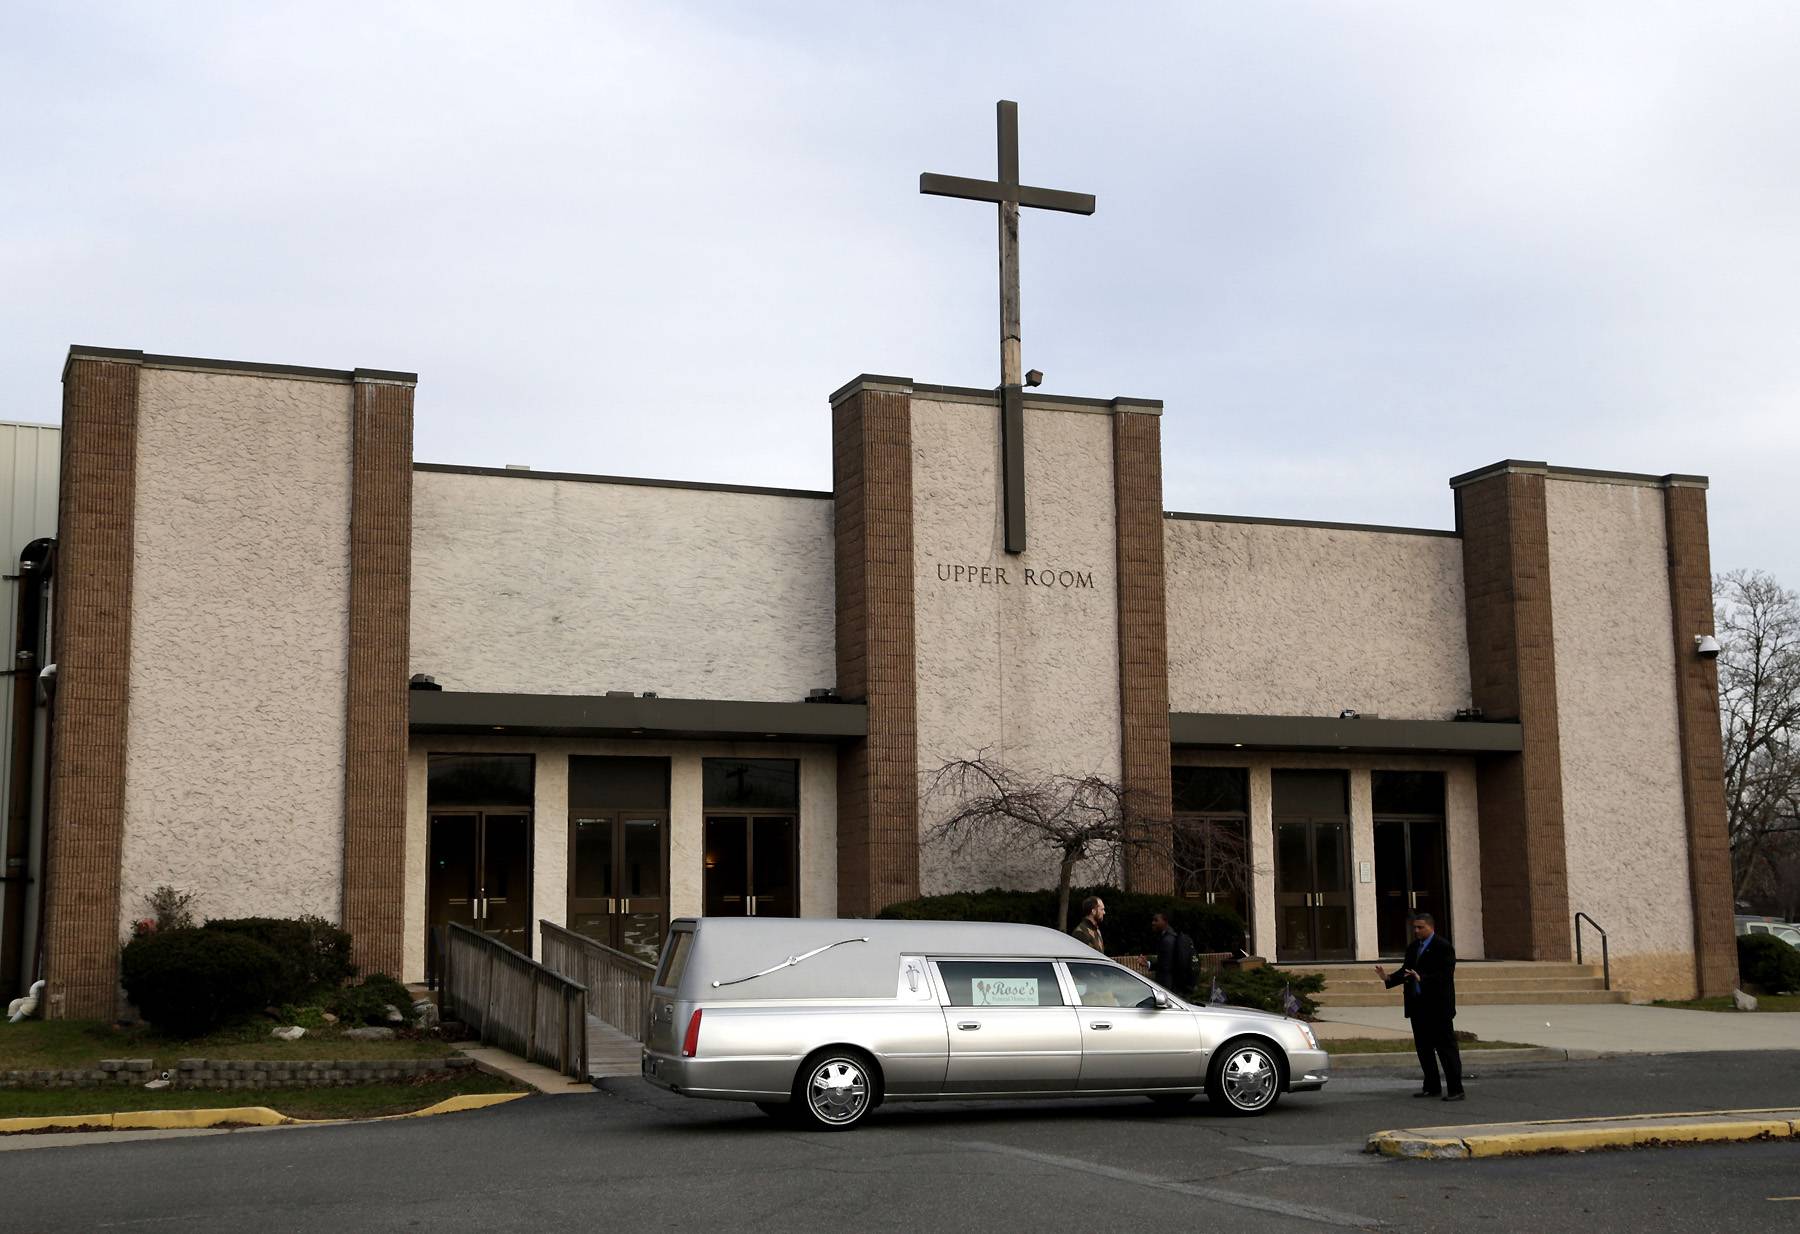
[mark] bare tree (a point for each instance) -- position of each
(1078, 818)
(1758, 624)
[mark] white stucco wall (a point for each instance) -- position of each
(1268, 619)
(539, 586)
(550, 821)
(239, 614)
(1623, 815)
(1027, 672)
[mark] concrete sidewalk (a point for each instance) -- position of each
(1598, 1029)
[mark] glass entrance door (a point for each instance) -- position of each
(1411, 876)
(480, 873)
(1312, 890)
(750, 862)
(618, 881)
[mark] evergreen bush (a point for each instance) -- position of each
(189, 982)
(314, 953)
(1768, 963)
(367, 1002)
(1261, 988)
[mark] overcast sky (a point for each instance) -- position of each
(1355, 248)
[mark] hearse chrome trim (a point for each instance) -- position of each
(790, 962)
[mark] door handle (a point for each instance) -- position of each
(624, 906)
(1100, 1024)
(967, 1025)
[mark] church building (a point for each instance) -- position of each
(297, 671)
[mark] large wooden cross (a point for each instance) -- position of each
(1010, 195)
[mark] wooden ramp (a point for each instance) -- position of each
(611, 1052)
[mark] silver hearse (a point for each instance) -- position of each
(823, 1020)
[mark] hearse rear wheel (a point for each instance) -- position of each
(1245, 1077)
(836, 1089)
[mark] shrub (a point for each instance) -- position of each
(1127, 927)
(188, 982)
(169, 910)
(368, 1002)
(313, 951)
(1261, 988)
(1769, 963)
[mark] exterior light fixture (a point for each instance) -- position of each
(423, 681)
(1706, 647)
(1349, 713)
(1035, 377)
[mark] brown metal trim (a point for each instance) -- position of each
(377, 696)
(1512, 676)
(878, 805)
(1143, 650)
(1513, 466)
(513, 473)
(1361, 736)
(1307, 522)
(132, 356)
(86, 828)
(1702, 752)
(584, 715)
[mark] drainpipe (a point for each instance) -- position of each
(36, 564)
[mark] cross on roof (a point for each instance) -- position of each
(1009, 194)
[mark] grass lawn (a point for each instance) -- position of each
(34, 1044)
(1764, 1002)
(361, 1101)
(1404, 1045)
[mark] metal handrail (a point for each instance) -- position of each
(1605, 959)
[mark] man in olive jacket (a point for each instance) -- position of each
(1429, 975)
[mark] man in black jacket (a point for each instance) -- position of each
(1429, 975)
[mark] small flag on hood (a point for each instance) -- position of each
(1289, 1003)
(1217, 997)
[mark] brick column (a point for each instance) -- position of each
(380, 611)
(92, 652)
(1702, 753)
(878, 784)
(1143, 641)
(1512, 676)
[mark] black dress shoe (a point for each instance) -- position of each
(1453, 1097)
(1429, 1092)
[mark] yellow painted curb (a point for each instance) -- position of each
(234, 1116)
(1577, 1135)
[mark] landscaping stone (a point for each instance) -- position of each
(393, 1014)
(292, 1032)
(370, 1034)
(1743, 1001)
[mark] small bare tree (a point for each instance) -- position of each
(1758, 624)
(1078, 818)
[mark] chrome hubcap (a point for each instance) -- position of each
(838, 1091)
(1249, 1079)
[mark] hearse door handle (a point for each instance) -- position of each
(966, 1025)
(1100, 1024)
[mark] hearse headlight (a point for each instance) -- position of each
(1306, 1033)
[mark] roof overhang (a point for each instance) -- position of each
(577, 715)
(1326, 734)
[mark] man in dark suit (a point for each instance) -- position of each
(1429, 975)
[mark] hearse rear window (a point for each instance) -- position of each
(1001, 983)
(675, 958)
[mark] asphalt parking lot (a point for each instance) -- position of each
(636, 1157)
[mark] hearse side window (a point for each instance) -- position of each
(675, 958)
(1102, 985)
(1001, 983)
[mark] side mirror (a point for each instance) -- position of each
(1162, 1001)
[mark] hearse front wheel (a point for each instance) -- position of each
(1245, 1077)
(836, 1089)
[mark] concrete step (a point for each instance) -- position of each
(1481, 997)
(1467, 983)
(1465, 969)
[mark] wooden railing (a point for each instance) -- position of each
(618, 985)
(514, 1002)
